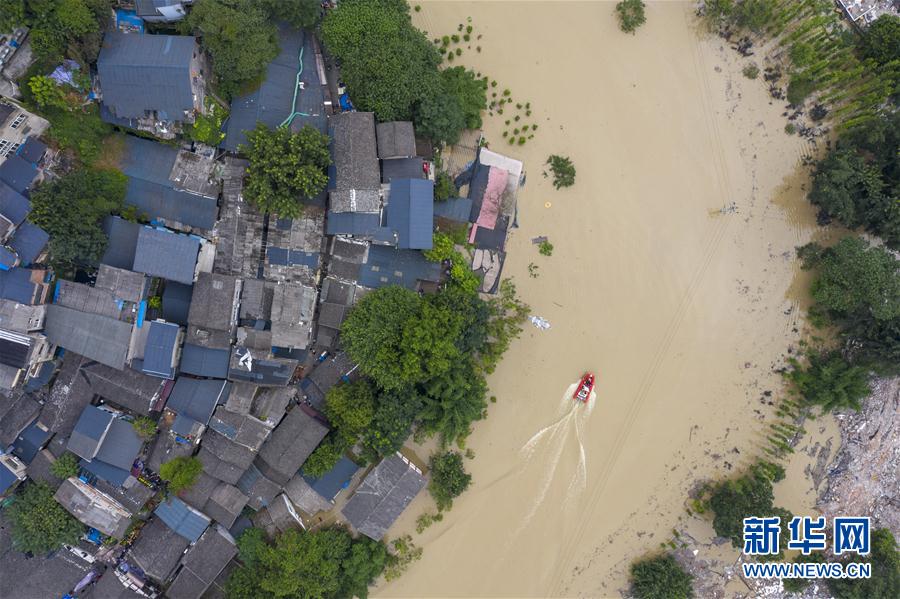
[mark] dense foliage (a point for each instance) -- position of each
(449, 478)
(71, 210)
(323, 564)
(302, 14)
(207, 128)
(660, 577)
(391, 69)
(829, 381)
(65, 466)
(858, 288)
(240, 38)
(39, 523)
(350, 408)
(885, 580)
(444, 189)
(563, 171)
(743, 497)
(452, 401)
(12, 14)
(858, 182)
(881, 40)
(285, 167)
(66, 29)
(180, 472)
(631, 15)
(145, 427)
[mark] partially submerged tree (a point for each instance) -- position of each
(884, 582)
(449, 478)
(39, 523)
(660, 577)
(829, 381)
(181, 472)
(631, 15)
(749, 495)
(285, 168)
(563, 171)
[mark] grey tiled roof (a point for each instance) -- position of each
(292, 441)
(242, 429)
(91, 508)
(202, 564)
(197, 399)
(204, 361)
(354, 151)
(122, 283)
(162, 253)
(382, 496)
(123, 236)
(140, 73)
(254, 366)
(213, 302)
(225, 504)
(259, 489)
(90, 430)
(96, 337)
(158, 550)
(396, 139)
(182, 518)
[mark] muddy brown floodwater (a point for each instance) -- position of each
(681, 310)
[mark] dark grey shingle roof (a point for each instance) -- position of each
(90, 335)
(202, 564)
(158, 550)
(292, 441)
(252, 366)
(18, 285)
(382, 496)
(354, 151)
(123, 237)
(353, 223)
(120, 446)
(387, 266)
(18, 173)
(140, 73)
(176, 302)
(396, 139)
(13, 205)
(204, 361)
(28, 242)
(197, 399)
(32, 150)
(259, 489)
(455, 209)
(89, 432)
(402, 168)
(162, 253)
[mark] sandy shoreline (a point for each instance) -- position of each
(681, 311)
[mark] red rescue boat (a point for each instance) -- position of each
(585, 386)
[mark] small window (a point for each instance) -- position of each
(19, 120)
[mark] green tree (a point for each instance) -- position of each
(469, 91)
(326, 455)
(71, 209)
(440, 118)
(631, 15)
(180, 472)
(207, 128)
(743, 497)
(65, 466)
(303, 14)
(449, 478)
(387, 64)
(12, 14)
(61, 28)
(145, 427)
(46, 92)
(660, 577)
(885, 580)
(240, 39)
(350, 407)
(39, 523)
(323, 564)
(563, 171)
(800, 87)
(880, 41)
(507, 314)
(754, 15)
(795, 585)
(391, 425)
(285, 168)
(452, 402)
(444, 189)
(829, 381)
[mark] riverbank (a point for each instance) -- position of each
(679, 307)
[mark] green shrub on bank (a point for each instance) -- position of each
(660, 577)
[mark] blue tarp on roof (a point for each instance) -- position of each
(181, 518)
(286, 257)
(456, 209)
(389, 266)
(32, 150)
(330, 484)
(18, 173)
(353, 223)
(123, 236)
(204, 361)
(141, 73)
(30, 442)
(176, 302)
(148, 165)
(271, 102)
(13, 205)
(28, 242)
(410, 212)
(16, 285)
(162, 339)
(162, 253)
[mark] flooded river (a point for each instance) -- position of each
(679, 307)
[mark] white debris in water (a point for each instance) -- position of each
(539, 322)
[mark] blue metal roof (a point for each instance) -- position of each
(28, 242)
(123, 236)
(30, 441)
(330, 484)
(388, 266)
(13, 204)
(7, 258)
(457, 209)
(204, 361)
(197, 399)
(162, 253)
(120, 446)
(286, 257)
(148, 165)
(402, 168)
(140, 73)
(410, 212)
(352, 223)
(182, 518)
(7, 478)
(18, 173)
(271, 103)
(162, 339)
(16, 285)
(176, 302)
(32, 150)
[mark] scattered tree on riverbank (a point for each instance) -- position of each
(885, 580)
(285, 167)
(563, 171)
(325, 564)
(39, 523)
(449, 478)
(180, 472)
(660, 577)
(631, 15)
(827, 380)
(71, 210)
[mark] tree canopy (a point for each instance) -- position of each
(631, 15)
(885, 580)
(350, 408)
(65, 466)
(39, 523)
(66, 28)
(12, 14)
(880, 40)
(829, 381)
(743, 497)
(660, 577)
(71, 210)
(285, 167)
(452, 402)
(323, 564)
(240, 38)
(303, 14)
(449, 478)
(563, 171)
(180, 472)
